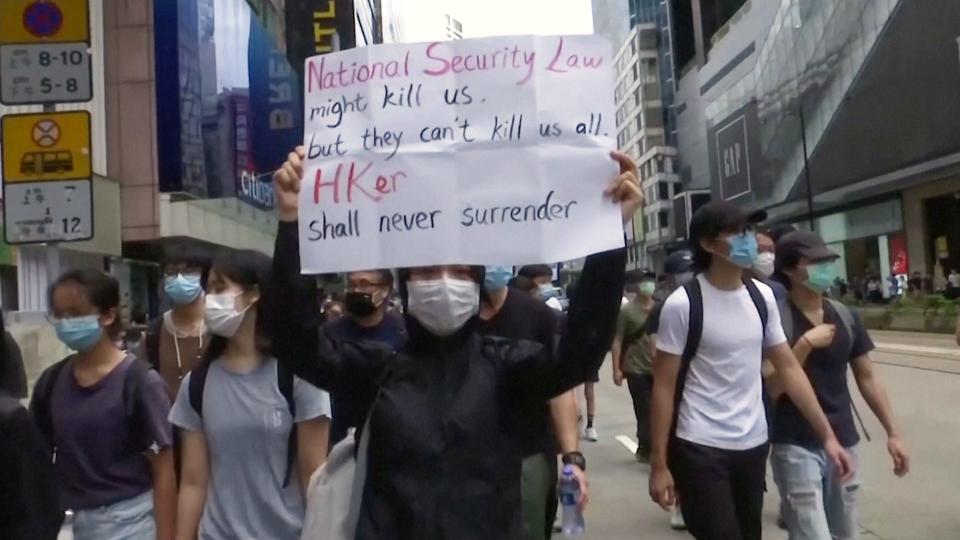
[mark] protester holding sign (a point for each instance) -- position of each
(443, 460)
(252, 432)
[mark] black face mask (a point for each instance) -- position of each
(359, 304)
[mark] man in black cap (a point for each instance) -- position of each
(713, 334)
(826, 337)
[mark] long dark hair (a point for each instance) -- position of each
(248, 269)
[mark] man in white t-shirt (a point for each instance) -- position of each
(714, 458)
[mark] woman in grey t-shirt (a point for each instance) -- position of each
(236, 481)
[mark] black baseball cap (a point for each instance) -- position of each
(806, 244)
(678, 262)
(717, 217)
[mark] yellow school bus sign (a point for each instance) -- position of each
(46, 146)
(44, 21)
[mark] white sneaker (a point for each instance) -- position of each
(676, 520)
(591, 434)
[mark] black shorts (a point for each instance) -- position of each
(595, 378)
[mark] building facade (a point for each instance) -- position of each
(646, 118)
(611, 19)
(837, 114)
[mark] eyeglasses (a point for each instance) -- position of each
(364, 285)
(173, 269)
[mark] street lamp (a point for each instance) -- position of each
(806, 165)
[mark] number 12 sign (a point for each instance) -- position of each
(38, 212)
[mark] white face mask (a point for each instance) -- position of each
(221, 317)
(764, 264)
(443, 305)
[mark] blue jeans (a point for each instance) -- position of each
(131, 519)
(815, 506)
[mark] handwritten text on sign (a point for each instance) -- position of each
(479, 151)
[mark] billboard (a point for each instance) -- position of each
(228, 101)
(317, 27)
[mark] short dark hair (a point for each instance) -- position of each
(522, 283)
(534, 271)
(247, 268)
(192, 254)
(187, 252)
(787, 261)
(386, 275)
(101, 289)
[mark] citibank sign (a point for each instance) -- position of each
(255, 192)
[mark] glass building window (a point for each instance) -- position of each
(663, 191)
(663, 219)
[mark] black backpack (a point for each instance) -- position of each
(198, 381)
(695, 332)
(40, 404)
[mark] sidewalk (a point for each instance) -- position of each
(941, 346)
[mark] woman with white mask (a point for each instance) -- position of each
(252, 432)
(444, 454)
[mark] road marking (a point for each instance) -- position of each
(628, 442)
(952, 353)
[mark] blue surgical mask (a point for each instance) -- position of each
(743, 249)
(820, 276)
(182, 289)
(547, 291)
(79, 333)
(497, 277)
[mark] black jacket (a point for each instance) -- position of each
(444, 459)
(29, 501)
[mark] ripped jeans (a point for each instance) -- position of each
(815, 506)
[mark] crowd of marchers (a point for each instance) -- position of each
(454, 404)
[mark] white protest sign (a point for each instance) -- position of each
(481, 151)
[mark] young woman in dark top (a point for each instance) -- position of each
(444, 457)
(113, 452)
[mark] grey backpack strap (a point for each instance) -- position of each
(786, 319)
(846, 317)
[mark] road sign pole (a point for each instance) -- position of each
(52, 249)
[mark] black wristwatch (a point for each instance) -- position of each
(575, 458)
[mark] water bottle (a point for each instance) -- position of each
(573, 524)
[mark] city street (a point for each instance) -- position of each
(923, 506)
(925, 391)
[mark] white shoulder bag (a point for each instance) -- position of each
(335, 491)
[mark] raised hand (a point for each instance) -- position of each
(286, 182)
(625, 188)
